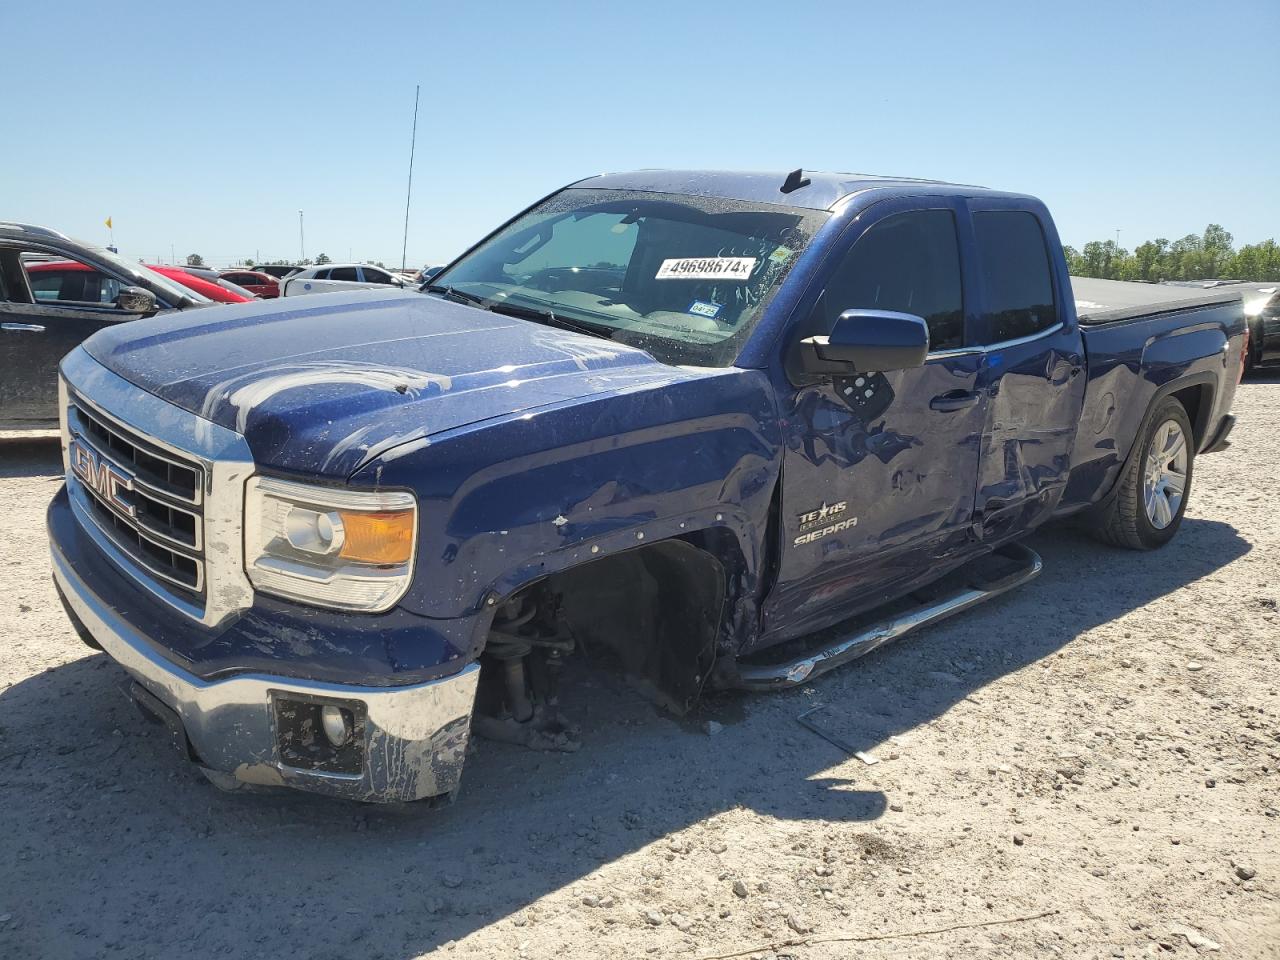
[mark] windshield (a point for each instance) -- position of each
(685, 278)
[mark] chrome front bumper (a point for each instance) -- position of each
(414, 737)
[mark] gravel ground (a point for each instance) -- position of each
(1102, 743)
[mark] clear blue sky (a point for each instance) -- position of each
(209, 126)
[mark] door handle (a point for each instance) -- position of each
(955, 400)
(22, 327)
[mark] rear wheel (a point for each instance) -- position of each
(1152, 497)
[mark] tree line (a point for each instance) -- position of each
(1206, 256)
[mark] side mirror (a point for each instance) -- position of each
(867, 341)
(137, 300)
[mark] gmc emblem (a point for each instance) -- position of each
(102, 478)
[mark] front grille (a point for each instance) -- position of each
(151, 503)
(161, 471)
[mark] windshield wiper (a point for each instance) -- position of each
(548, 316)
(458, 296)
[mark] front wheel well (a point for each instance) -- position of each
(657, 609)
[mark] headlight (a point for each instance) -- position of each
(349, 549)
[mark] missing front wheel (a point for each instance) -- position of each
(518, 700)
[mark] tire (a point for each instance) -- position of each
(1148, 508)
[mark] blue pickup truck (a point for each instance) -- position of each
(726, 428)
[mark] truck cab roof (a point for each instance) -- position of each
(810, 189)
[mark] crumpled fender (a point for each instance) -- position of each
(509, 501)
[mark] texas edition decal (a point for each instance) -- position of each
(823, 522)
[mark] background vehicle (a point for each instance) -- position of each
(54, 292)
(1262, 310)
(727, 427)
(332, 277)
(209, 276)
(213, 289)
(235, 288)
(277, 270)
(260, 284)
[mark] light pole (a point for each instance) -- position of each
(302, 240)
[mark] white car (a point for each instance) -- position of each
(335, 277)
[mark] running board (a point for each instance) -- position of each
(772, 676)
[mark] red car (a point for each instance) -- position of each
(263, 284)
(69, 280)
(206, 288)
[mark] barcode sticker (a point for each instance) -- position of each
(707, 268)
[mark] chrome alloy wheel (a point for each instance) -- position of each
(1165, 480)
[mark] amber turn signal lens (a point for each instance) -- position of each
(384, 538)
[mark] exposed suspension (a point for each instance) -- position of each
(519, 685)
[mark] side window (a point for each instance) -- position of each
(321, 275)
(343, 273)
(1016, 275)
(46, 285)
(374, 275)
(68, 282)
(909, 263)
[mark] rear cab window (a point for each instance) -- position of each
(1017, 277)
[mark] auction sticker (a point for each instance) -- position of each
(707, 268)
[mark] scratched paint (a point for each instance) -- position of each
(248, 391)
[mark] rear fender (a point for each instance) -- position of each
(1205, 385)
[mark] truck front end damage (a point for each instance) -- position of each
(388, 743)
(146, 543)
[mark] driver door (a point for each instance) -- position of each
(880, 469)
(46, 309)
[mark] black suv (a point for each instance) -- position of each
(55, 292)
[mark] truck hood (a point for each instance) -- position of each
(324, 383)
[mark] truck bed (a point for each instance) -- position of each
(1100, 302)
(1138, 338)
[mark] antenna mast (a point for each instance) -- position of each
(413, 143)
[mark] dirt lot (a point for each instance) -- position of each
(1103, 743)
